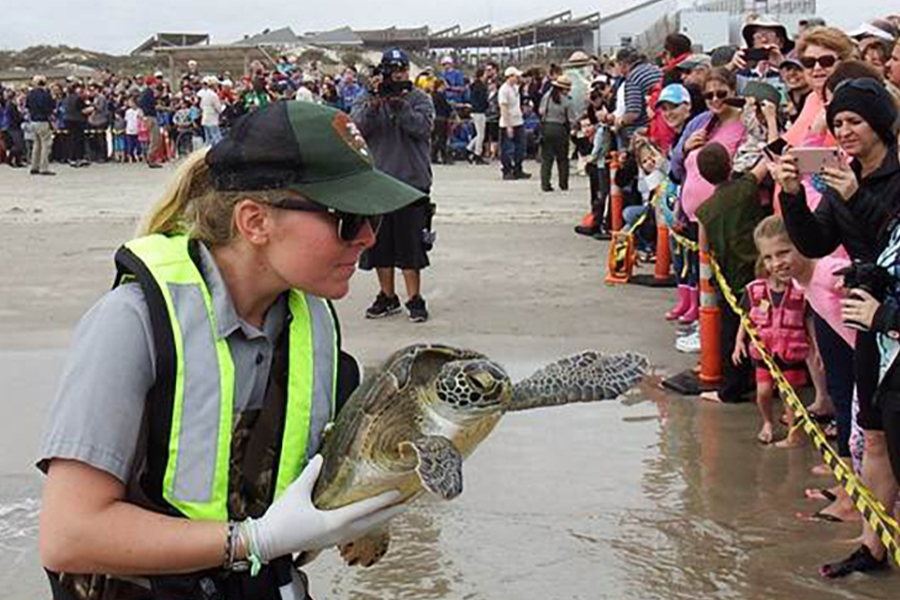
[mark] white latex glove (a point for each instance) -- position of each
(293, 523)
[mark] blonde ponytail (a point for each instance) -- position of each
(192, 206)
(167, 215)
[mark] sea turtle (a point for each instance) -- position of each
(410, 426)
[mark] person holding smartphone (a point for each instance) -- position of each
(860, 202)
(767, 44)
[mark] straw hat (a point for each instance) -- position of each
(562, 82)
(578, 59)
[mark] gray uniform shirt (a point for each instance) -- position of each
(562, 113)
(98, 414)
(399, 135)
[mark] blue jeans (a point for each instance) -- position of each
(630, 214)
(512, 150)
(212, 134)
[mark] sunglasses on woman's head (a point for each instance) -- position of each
(826, 62)
(718, 95)
(349, 224)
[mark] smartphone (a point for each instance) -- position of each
(756, 54)
(776, 148)
(735, 101)
(814, 160)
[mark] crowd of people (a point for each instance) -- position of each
(781, 153)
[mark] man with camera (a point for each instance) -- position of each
(396, 120)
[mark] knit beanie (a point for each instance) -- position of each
(870, 100)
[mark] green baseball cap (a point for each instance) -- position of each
(312, 149)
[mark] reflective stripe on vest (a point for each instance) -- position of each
(197, 466)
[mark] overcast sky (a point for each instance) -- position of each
(118, 26)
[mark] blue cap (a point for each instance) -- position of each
(394, 56)
(674, 93)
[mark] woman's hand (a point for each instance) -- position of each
(785, 173)
(770, 112)
(859, 307)
(842, 180)
(695, 140)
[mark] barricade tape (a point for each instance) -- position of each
(886, 527)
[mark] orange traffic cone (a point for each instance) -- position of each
(710, 320)
(616, 201)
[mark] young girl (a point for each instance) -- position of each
(778, 310)
(133, 118)
(652, 172)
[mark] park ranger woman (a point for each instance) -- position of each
(181, 450)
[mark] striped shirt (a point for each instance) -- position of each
(638, 84)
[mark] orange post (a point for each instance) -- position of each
(615, 195)
(663, 257)
(710, 320)
(620, 261)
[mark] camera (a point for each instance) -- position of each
(388, 87)
(869, 277)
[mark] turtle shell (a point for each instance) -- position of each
(363, 449)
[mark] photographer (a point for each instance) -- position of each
(859, 204)
(396, 120)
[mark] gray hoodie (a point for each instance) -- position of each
(398, 132)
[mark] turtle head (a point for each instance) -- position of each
(473, 388)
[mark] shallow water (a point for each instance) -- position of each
(651, 498)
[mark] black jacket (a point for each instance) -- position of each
(859, 223)
(478, 97)
(40, 104)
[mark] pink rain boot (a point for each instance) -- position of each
(682, 303)
(693, 311)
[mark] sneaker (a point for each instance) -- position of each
(417, 311)
(383, 306)
(860, 561)
(689, 344)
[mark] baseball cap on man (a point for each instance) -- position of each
(394, 56)
(510, 71)
(674, 93)
(314, 150)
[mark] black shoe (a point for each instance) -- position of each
(564, 188)
(860, 561)
(522, 175)
(602, 234)
(35, 172)
(46, 173)
(417, 311)
(477, 160)
(546, 188)
(509, 176)
(154, 165)
(383, 306)
(585, 230)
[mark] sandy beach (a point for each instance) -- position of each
(652, 496)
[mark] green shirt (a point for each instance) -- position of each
(729, 216)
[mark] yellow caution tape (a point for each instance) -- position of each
(885, 526)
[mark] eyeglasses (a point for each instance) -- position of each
(826, 62)
(718, 94)
(348, 224)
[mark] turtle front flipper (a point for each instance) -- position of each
(367, 550)
(585, 377)
(439, 465)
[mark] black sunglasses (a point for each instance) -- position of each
(718, 94)
(826, 62)
(348, 224)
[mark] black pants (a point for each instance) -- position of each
(439, 135)
(97, 144)
(555, 148)
(737, 380)
(76, 140)
(599, 181)
(837, 357)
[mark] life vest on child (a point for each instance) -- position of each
(782, 327)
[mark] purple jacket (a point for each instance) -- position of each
(676, 164)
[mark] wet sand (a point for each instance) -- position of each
(653, 496)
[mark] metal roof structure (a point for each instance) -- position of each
(170, 40)
(270, 37)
